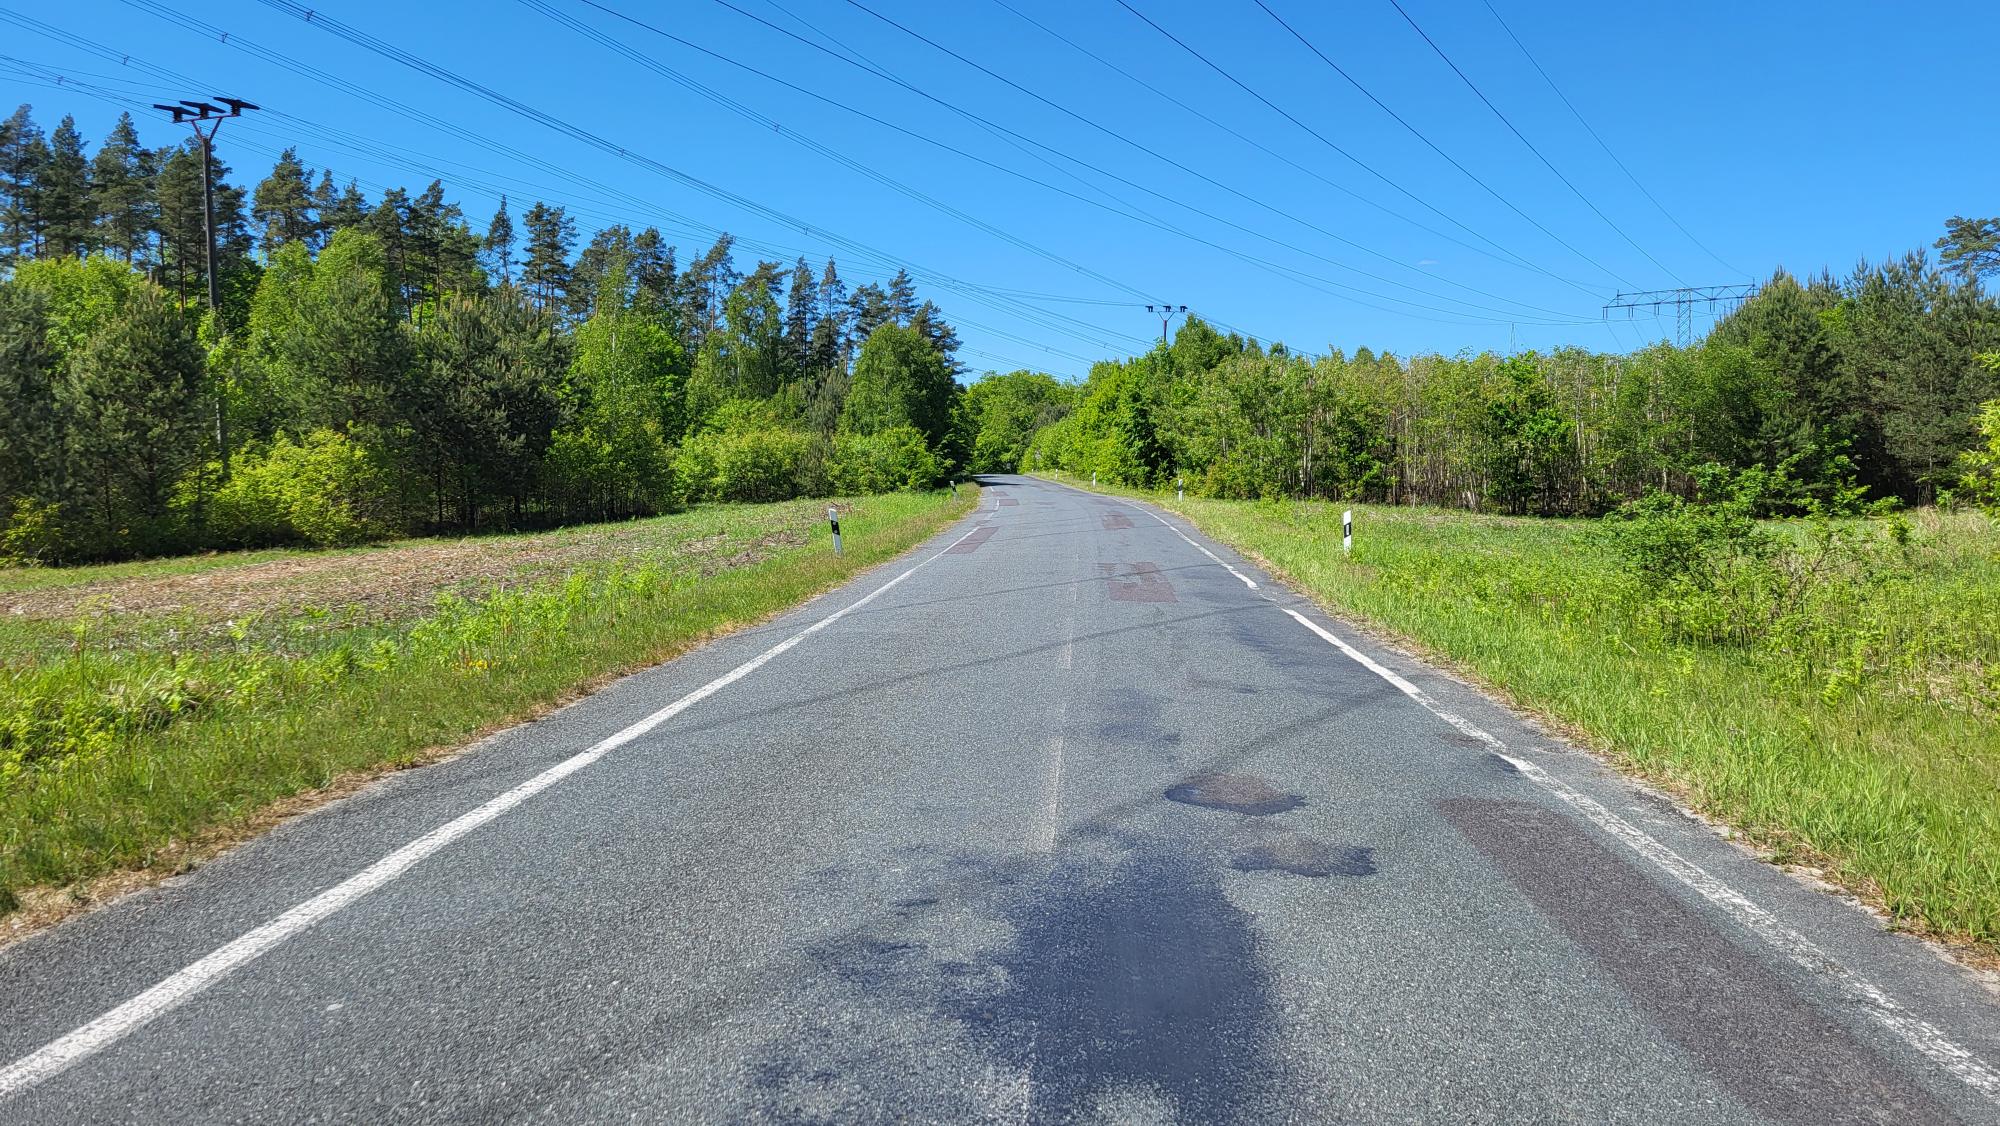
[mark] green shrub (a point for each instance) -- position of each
(763, 463)
(1979, 470)
(33, 534)
(327, 491)
(896, 458)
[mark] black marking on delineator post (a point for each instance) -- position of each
(833, 521)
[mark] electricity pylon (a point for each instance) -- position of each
(1683, 300)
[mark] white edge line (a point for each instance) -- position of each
(1885, 1010)
(121, 1021)
(1245, 579)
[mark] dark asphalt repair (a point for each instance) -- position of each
(1300, 855)
(1126, 976)
(1004, 846)
(1235, 793)
(1704, 991)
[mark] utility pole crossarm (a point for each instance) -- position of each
(1166, 314)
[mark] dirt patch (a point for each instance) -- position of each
(386, 583)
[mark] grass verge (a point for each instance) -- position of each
(150, 715)
(1861, 743)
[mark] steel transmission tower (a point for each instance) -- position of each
(1683, 300)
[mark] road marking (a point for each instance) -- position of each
(128, 1017)
(1246, 580)
(1050, 827)
(1885, 1010)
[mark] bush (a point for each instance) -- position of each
(33, 534)
(1709, 572)
(1979, 480)
(750, 465)
(896, 458)
(326, 492)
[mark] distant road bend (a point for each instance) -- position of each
(1070, 815)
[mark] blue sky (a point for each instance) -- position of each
(1777, 133)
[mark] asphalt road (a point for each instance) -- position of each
(1080, 820)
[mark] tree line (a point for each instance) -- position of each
(1874, 381)
(379, 367)
(382, 367)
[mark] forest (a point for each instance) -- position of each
(381, 368)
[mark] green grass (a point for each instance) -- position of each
(142, 706)
(1864, 740)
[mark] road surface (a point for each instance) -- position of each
(1070, 815)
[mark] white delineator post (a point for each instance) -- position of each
(1346, 530)
(1180, 490)
(1093, 478)
(833, 520)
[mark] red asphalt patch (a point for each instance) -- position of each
(1137, 582)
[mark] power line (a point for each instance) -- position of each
(1122, 138)
(1522, 137)
(1282, 157)
(1046, 319)
(1581, 120)
(1136, 214)
(860, 61)
(973, 291)
(1413, 130)
(830, 153)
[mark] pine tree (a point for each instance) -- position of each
(30, 440)
(500, 244)
(184, 234)
(132, 399)
(24, 152)
(64, 204)
(283, 204)
(388, 222)
(443, 255)
(902, 297)
(121, 184)
(930, 324)
(830, 339)
(801, 304)
(178, 195)
(606, 260)
(705, 285)
(653, 277)
(872, 308)
(545, 273)
(336, 214)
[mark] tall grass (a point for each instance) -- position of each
(1859, 733)
(114, 753)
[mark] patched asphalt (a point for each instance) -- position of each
(1070, 825)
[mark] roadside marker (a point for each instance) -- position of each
(1180, 492)
(1347, 530)
(833, 518)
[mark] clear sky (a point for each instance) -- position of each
(1776, 132)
